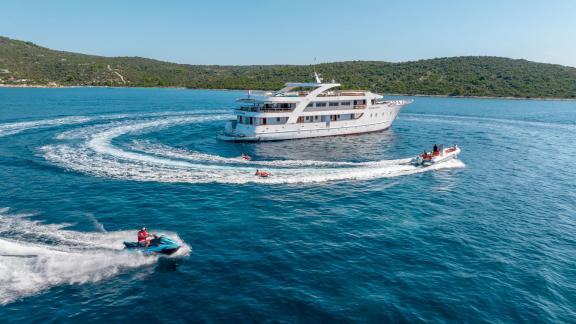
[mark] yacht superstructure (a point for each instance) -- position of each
(303, 110)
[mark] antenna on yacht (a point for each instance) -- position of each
(316, 75)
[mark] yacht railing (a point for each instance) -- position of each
(262, 109)
(324, 94)
(292, 94)
(330, 108)
(343, 94)
(395, 102)
(262, 93)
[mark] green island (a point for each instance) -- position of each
(27, 64)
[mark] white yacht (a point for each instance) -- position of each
(303, 110)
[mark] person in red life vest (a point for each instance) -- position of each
(143, 237)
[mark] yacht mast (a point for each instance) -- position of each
(317, 77)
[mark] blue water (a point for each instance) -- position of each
(342, 231)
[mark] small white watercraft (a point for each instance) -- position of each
(438, 154)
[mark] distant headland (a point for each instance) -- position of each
(24, 64)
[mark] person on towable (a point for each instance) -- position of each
(143, 237)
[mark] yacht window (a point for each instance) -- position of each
(320, 104)
(307, 117)
(310, 105)
(263, 121)
(334, 104)
(315, 117)
(278, 119)
(345, 103)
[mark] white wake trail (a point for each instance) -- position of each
(35, 256)
(8, 129)
(96, 154)
(183, 154)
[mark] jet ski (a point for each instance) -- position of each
(438, 154)
(158, 245)
(246, 157)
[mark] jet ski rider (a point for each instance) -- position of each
(143, 237)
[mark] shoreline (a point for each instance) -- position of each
(28, 86)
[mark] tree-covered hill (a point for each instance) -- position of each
(26, 63)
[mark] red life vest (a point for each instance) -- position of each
(142, 236)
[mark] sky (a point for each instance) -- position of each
(296, 31)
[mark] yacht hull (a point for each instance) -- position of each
(308, 133)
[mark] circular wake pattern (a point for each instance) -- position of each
(39, 256)
(19, 127)
(178, 153)
(90, 149)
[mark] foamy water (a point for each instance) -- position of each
(144, 161)
(35, 256)
(373, 239)
(8, 129)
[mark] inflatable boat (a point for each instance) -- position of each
(438, 154)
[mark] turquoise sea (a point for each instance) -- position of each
(343, 231)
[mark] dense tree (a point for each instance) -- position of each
(456, 76)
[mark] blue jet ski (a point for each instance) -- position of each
(158, 245)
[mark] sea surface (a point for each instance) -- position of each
(343, 231)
